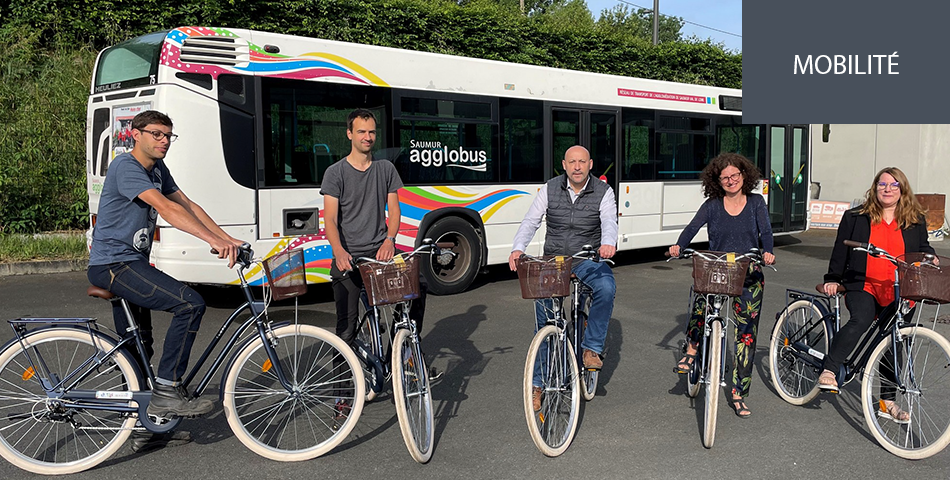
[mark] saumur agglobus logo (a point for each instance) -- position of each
(433, 154)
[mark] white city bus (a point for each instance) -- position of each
(261, 116)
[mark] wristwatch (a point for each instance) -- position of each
(392, 238)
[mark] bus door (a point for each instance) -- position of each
(595, 128)
(788, 176)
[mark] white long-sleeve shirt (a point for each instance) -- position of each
(532, 219)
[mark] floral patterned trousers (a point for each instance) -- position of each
(746, 314)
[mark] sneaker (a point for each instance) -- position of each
(828, 382)
(889, 410)
(169, 401)
(536, 393)
(142, 441)
(592, 360)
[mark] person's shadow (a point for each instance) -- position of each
(452, 335)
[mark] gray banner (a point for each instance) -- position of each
(844, 82)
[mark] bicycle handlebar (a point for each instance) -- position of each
(587, 252)
(434, 248)
(754, 255)
(245, 255)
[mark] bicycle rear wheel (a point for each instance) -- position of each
(922, 389)
(326, 399)
(44, 436)
(799, 333)
(713, 374)
(552, 427)
(413, 396)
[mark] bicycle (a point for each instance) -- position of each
(719, 277)
(396, 283)
(902, 358)
(71, 393)
(558, 344)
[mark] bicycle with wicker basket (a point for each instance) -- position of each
(719, 277)
(71, 392)
(904, 359)
(558, 346)
(393, 284)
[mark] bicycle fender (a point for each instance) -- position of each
(98, 333)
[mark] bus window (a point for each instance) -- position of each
(445, 152)
(684, 147)
(746, 140)
(130, 63)
(522, 142)
(306, 127)
(636, 148)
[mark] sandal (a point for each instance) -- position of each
(889, 410)
(827, 382)
(685, 365)
(738, 405)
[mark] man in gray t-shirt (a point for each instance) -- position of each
(356, 192)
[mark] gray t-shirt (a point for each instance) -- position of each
(362, 196)
(124, 223)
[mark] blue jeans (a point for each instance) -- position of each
(147, 288)
(600, 279)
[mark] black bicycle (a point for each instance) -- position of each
(899, 360)
(719, 277)
(71, 392)
(558, 345)
(395, 283)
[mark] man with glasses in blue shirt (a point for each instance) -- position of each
(138, 188)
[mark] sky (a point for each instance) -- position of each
(719, 14)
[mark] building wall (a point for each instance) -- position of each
(847, 163)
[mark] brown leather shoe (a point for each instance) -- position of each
(592, 361)
(536, 398)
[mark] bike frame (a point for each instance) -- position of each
(88, 399)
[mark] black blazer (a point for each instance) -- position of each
(848, 266)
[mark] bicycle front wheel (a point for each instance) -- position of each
(315, 415)
(46, 436)
(797, 347)
(413, 396)
(713, 374)
(918, 382)
(552, 427)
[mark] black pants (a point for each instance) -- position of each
(346, 294)
(863, 309)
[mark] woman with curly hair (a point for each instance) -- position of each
(890, 218)
(737, 220)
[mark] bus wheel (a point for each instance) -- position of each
(446, 274)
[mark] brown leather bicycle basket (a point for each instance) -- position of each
(545, 277)
(924, 277)
(718, 276)
(286, 274)
(391, 283)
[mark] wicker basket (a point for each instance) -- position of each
(545, 277)
(392, 282)
(286, 274)
(924, 277)
(718, 276)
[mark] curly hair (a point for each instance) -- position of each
(712, 187)
(909, 210)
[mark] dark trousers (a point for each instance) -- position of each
(863, 309)
(346, 293)
(147, 288)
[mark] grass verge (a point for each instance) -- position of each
(43, 246)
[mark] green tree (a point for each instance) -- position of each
(622, 21)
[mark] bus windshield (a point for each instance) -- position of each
(129, 63)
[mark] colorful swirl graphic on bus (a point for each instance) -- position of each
(306, 66)
(414, 203)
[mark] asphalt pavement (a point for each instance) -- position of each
(641, 424)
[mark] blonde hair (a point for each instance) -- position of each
(908, 211)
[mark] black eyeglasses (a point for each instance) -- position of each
(731, 178)
(157, 134)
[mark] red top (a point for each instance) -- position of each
(879, 280)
